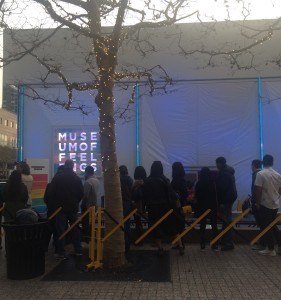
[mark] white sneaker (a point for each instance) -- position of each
(258, 247)
(267, 252)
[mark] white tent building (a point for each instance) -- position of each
(212, 108)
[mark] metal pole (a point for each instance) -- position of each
(154, 225)
(260, 117)
(191, 226)
(119, 225)
(20, 121)
(137, 127)
(241, 216)
(266, 230)
(54, 214)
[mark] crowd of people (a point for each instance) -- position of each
(155, 195)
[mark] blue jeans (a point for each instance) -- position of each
(62, 221)
(225, 211)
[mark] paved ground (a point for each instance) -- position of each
(241, 274)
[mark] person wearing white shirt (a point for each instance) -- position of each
(267, 191)
(91, 189)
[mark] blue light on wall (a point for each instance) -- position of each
(137, 127)
(260, 118)
(20, 121)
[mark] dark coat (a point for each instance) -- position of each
(180, 187)
(254, 175)
(50, 203)
(158, 196)
(13, 204)
(226, 187)
(206, 196)
(156, 191)
(66, 191)
(126, 188)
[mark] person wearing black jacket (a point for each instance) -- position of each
(51, 207)
(206, 198)
(126, 190)
(227, 194)
(159, 199)
(67, 192)
(179, 185)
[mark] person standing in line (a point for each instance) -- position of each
(159, 198)
(67, 192)
(256, 166)
(179, 185)
(51, 208)
(137, 197)
(206, 197)
(126, 190)
(27, 179)
(91, 189)
(15, 196)
(267, 191)
(226, 195)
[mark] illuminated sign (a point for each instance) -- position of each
(82, 145)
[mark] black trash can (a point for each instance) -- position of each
(25, 249)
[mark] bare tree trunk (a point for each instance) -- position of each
(114, 248)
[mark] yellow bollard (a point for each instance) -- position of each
(98, 262)
(241, 216)
(191, 226)
(99, 239)
(154, 225)
(92, 221)
(266, 230)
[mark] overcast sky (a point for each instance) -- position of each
(209, 9)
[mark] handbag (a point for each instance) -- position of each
(247, 203)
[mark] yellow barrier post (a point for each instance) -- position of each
(191, 226)
(99, 239)
(241, 216)
(119, 225)
(92, 221)
(98, 262)
(54, 214)
(74, 224)
(154, 225)
(266, 230)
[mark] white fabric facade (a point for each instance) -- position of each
(194, 122)
(199, 121)
(209, 111)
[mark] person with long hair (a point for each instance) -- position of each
(226, 195)
(137, 197)
(15, 196)
(205, 194)
(126, 190)
(159, 200)
(179, 185)
(27, 179)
